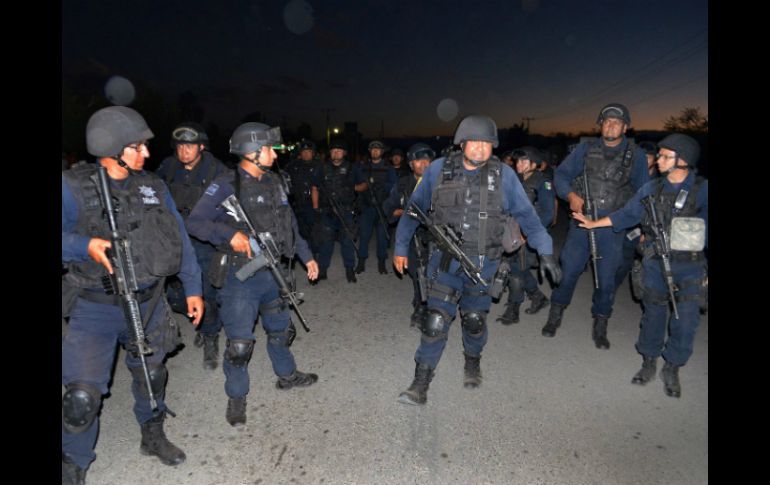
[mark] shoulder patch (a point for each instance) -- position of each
(548, 185)
(212, 189)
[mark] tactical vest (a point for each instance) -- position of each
(456, 202)
(609, 180)
(404, 188)
(665, 212)
(187, 193)
(141, 216)
(338, 181)
(301, 175)
(379, 173)
(533, 184)
(267, 206)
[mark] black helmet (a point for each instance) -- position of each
(649, 147)
(376, 144)
(110, 129)
(306, 145)
(509, 153)
(529, 153)
(476, 128)
(251, 137)
(189, 132)
(614, 110)
(685, 147)
(397, 151)
(419, 151)
(338, 144)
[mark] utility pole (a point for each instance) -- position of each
(526, 120)
(327, 111)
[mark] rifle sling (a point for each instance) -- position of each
(483, 216)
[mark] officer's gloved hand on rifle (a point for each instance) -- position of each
(548, 263)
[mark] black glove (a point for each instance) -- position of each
(548, 263)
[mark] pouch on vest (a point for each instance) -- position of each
(159, 243)
(688, 234)
(218, 269)
(512, 238)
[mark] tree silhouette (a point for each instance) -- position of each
(690, 120)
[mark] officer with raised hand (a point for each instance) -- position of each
(540, 192)
(614, 169)
(471, 192)
(680, 203)
(262, 196)
(145, 215)
(187, 173)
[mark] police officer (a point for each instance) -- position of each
(118, 136)
(334, 178)
(187, 173)
(419, 155)
(471, 191)
(540, 192)
(301, 172)
(374, 182)
(615, 169)
(681, 206)
(262, 196)
(651, 152)
(397, 160)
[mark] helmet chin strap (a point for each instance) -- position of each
(475, 163)
(676, 167)
(124, 164)
(255, 161)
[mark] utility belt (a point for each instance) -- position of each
(99, 296)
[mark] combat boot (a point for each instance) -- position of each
(418, 391)
(472, 378)
(511, 314)
(71, 474)
(236, 411)
(350, 275)
(381, 266)
(210, 351)
(599, 333)
(554, 320)
(647, 372)
(539, 301)
(361, 266)
(155, 443)
(670, 375)
(296, 379)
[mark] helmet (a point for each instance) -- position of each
(189, 132)
(614, 110)
(685, 147)
(306, 145)
(476, 128)
(509, 153)
(112, 128)
(649, 147)
(397, 151)
(375, 144)
(251, 137)
(418, 151)
(338, 144)
(528, 153)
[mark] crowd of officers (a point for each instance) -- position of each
(638, 209)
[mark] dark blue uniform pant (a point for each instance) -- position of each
(627, 261)
(521, 281)
(652, 342)
(240, 303)
(88, 352)
(369, 220)
(574, 257)
(335, 232)
(412, 266)
(472, 298)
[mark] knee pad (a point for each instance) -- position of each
(515, 283)
(434, 325)
(238, 352)
(285, 338)
(474, 321)
(158, 375)
(80, 404)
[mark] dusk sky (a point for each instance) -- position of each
(404, 64)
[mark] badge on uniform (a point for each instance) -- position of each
(260, 199)
(491, 182)
(148, 194)
(547, 185)
(212, 189)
